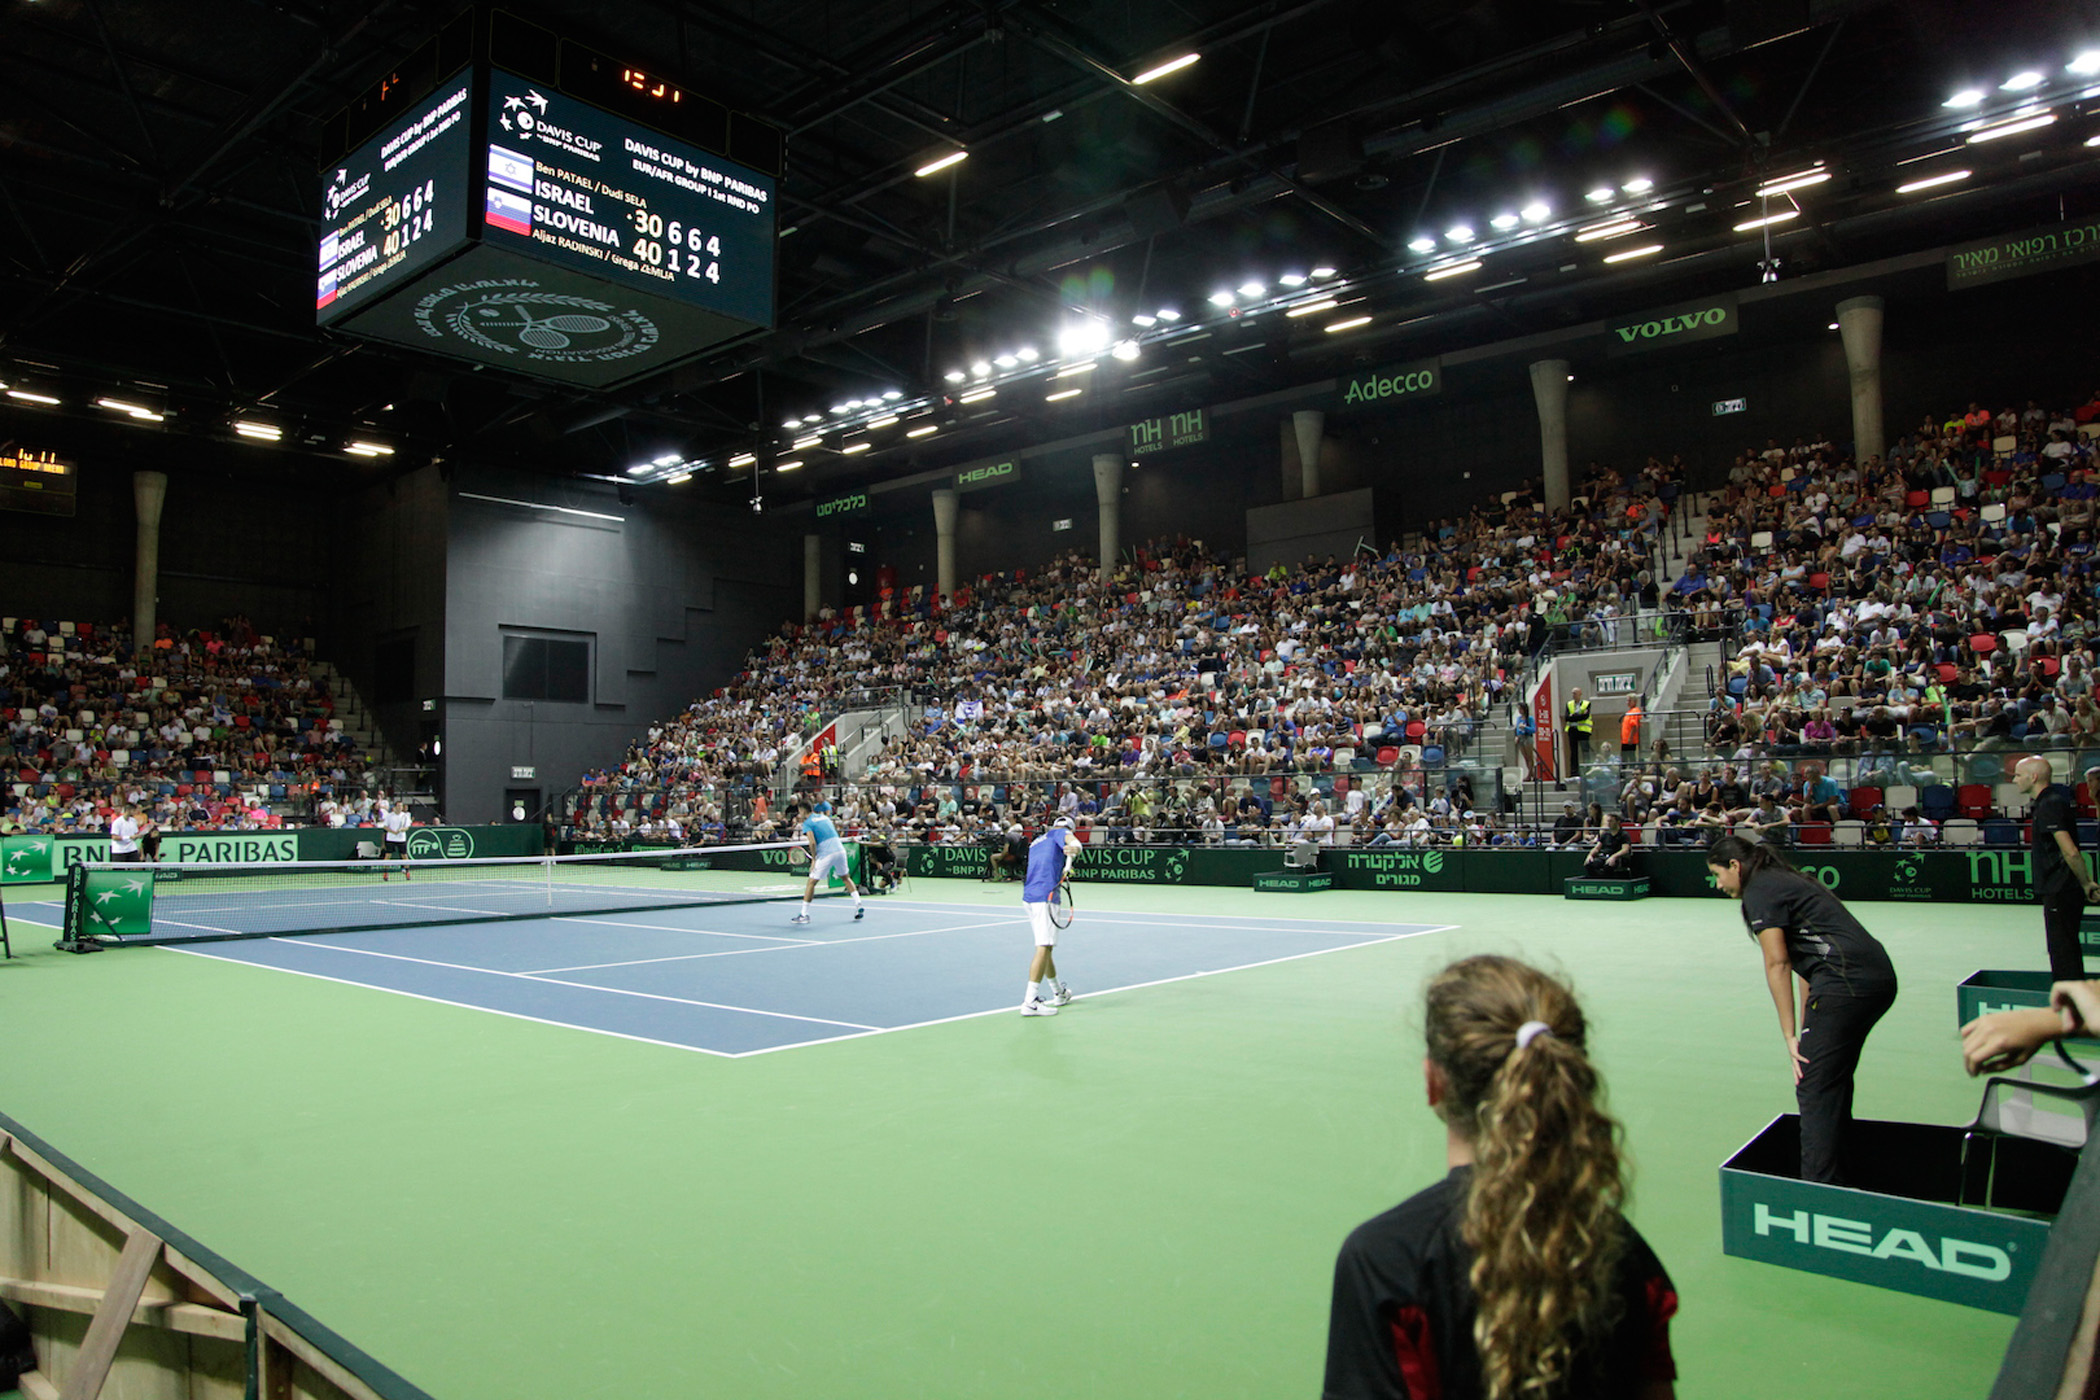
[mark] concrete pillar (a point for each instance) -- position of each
(1108, 490)
(150, 491)
(1549, 388)
(1309, 425)
(1859, 322)
(812, 576)
(944, 530)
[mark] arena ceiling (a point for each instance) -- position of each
(158, 172)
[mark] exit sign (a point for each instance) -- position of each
(1724, 407)
(1174, 430)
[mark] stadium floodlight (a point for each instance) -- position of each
(955, 376)
(803, 443)
(1084, 337)
(1502, 223)
(246, 427)
(1222, 298)
(2085, 65)
(887, 420)
(979, 396)
(1788, 183)
(743, 459)
(934, 167)
(1424, 244)
(29, 396)
(1967, 97)
(1311, 307)
(1320, 274)
(1993, 133)
(1006, 361)
(1062, 394)
(1349, 325)
(852, 447)
(1614, 228)
(1601, 195)
(1536, 212)
(928, 430)
(1157, 71)
(1457, 269)
(1459, 233)
(1125, 350)
(1639, 184)
(1168, 313)
(1253, 290)
(1631, 253)
(2022, 81)
(786, 467)
(1933, 181)
(1768, 220)
(679, 480)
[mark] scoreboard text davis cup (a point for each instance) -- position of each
(502, 222)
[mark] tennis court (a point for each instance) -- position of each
(1139, 1198)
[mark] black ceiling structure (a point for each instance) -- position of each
(159, 202)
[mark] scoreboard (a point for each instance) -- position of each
(503, 221)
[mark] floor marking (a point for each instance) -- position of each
(781, 948)
(443, 1001)
(1170, 918)
(581, 986)
(1416, 931)
(675, 928)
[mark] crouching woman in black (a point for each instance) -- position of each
(1846, 980)
(1515, 1277)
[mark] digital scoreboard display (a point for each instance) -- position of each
(585, 189)
(397, 204)
(503, 222)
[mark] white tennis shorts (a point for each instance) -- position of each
(823, 866)
(1039, 922)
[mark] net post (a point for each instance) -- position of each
(75, 937)
(6, 948)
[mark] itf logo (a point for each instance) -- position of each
(440, 843)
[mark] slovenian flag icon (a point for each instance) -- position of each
(510, 169)
(327, 290)
(510, 212)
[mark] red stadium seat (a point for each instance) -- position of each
(1862, 800)
(1415, 730)
(1974, 799)
(1948, 671)
(1388, 756)
(1812, 834)
(1918, 500)
(1983, 642)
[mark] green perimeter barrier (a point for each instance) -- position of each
(1967, 876)
(35, 859)
(1999, 989)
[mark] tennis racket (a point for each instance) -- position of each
(1061, 910)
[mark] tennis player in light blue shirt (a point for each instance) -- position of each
(827, 857)
(1050, 860)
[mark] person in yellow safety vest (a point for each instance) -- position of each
(1576, 721)
(1630, 735)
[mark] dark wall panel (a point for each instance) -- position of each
(672, 599)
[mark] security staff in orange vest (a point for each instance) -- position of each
(1577, 722)
(1630, 735)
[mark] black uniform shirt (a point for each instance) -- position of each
(1401, 1324)
(2054, 810)
(1827, 947)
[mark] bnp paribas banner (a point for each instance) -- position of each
(34, 859)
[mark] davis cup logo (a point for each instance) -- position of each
(513, 316)
(440, 843)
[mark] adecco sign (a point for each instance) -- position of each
(1675, 325)
(1391, 385)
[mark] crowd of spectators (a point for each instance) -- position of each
(1920, 621)
(1170, 697)
(200, 730)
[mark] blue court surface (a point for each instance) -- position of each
(741, 980)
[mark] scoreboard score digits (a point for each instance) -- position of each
(588, 190)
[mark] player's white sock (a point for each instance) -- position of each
(1030, 995)
(856, 898)
(805, 908)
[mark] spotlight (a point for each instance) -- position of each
(1967, 97)
(1459, 233)
(1537, 212)
(1422, 245)
(2022, 81)
(1503, 222)
(1125, 350)
(1639, 184)
(1251, 290)
(1601, 195)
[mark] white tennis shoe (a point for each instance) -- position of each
(1063, 996)
(1035, 1007)
(799, 919)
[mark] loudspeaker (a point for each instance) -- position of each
(1329, 152)
(1156, 211)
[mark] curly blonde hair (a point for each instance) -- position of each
(1542, 1216)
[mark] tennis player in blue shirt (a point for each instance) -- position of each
(1050, 860)
(827, 855)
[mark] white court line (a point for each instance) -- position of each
(675, 928)
(788, 948)
(443, 1001)
(581, 986)
(442, 908)
(1417, 931)
(1261, 919)
(1080, 920)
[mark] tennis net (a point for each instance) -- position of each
(193, 903)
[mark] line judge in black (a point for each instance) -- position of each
(2062, 881)
(1847, 984)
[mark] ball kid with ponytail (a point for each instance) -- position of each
(1516, 1277)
